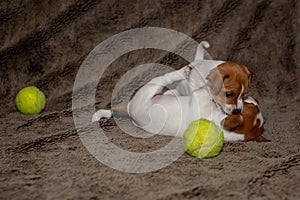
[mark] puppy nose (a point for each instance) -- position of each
(236, 111)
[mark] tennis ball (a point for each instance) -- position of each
(203, 139)
(30, 100)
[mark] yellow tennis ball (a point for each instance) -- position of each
(203, 139)
(30, 100)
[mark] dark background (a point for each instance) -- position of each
(43, 43)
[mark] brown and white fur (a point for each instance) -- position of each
(170, 113)
(249, 122)
(228, 82)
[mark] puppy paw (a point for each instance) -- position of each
(96, 116)
(101, 114)
(187, 71)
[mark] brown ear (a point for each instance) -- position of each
(215, 79)
(249, 73)
(261, 138)
(232, 122)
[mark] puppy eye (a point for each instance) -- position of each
(228, 94)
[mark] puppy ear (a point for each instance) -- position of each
(232, 122)
(249, 73)
(216, 79)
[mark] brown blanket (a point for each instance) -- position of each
(43, 43)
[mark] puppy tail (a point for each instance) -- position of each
(104, 113)
(200, 50)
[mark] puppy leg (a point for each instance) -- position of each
(182, 88)
(196, 81)
(141, 103)
(171, 77)
(200, 50)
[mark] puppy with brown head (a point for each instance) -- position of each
(228, 83)
(249, 122)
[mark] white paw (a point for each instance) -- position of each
(96, 117)
(101, 114)
(187, 71)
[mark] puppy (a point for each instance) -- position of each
(170, 115)
(220, 94)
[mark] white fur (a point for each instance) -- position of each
(101, 114)
(171, 115)
(200, 50)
